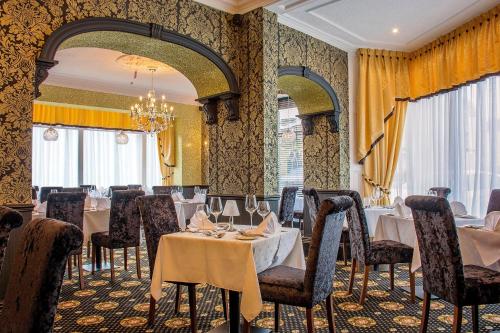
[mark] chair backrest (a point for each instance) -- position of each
(134, 186)
(358, 227)
(9, 219)
(30, 302)
(158, 218)
(89, 187)
(311, 199)
(116, 188)
(72, 189)
(124, 217)
(440, 256)
(34, 194)
(162, 189)
(442, 192)
(287, 203)
(45, 190)
(325, 241)
(67, 207)
(494, 202)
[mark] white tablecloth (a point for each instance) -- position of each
(185, 210)
(93, 221)
(372, 215)
(225, 263)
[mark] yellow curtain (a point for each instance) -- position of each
(166, 154)
(466, 54)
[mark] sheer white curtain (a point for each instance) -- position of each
(153, 172)
(453, 140)
(55, 163)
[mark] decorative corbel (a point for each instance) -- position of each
(333, 119)
(41, 73)
(307, 126)
(231, 102)
(209, 107)
(308, 121)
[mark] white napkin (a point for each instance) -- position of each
(458, 208)
(177, 197)
(200, 221)
(492, 221)
(270, 225)
(42, 208)
(87, 202)
(198, 198)
(103, 203)
(398, 200)
(403, 210)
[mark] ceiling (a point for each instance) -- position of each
(105, 74)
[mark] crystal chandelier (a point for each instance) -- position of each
(121, 138)
(50, 134)
(152, 116)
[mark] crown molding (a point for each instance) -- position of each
(236, 6)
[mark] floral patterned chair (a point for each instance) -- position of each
(68, 207)
(306, 288)
(366, 253)
(494, 202)
(124, 230)
(9, 219)
(30, 302)
(442, 192)
(116, 188)
(45, 190)
(72, 189)
(445, 275)
(134, 186)
(162, 189)
(287, 202)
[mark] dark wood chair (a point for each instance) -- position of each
(444, 274)
(366, 253)
(159, 218)
(30, 301)
(494, 202)
(162, 189)
(287, 203)
(45, 190)
(9, 219)
(306, 288)
(116, 188)
(134, 186)
(72, 189)
(68, 207)
(124, 230)
(442, 192)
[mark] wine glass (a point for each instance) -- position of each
(250, 207)
(202, 214)
(196, 190)
(263, 209)
(377, 195)
(216, 209)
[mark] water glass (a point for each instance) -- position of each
(202, 213)
(250, 206)
(263, 209)
(216, 208)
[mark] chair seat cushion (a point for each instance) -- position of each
(389, 252)
(482, 285)
(283, 276)
(284, 285)
(102, 239)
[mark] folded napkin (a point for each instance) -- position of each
(403, 211)
(270, 225)
(198, 198)
(398, 200)
(42, 208)
(88, 202)
(177, 197)
(458, 208)
(103, 203)
(492, 221)
(200, 221)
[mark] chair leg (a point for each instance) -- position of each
(351, 277)
(93, 259)
(365, 285)
(329, 314)
(138, 261)
(276, 316)
(88, 248)
(192, 306)
(310, 320)
(152, 310)
(457, 319)
(125, 258)
(475, 319)
(177, 298)
(104, 255)
(412, 284)
(391, 276)
(246, 326)
(224, 303)
(70, 269)
(80, 271)
(111, 263)
(425, 312)
(344, 252)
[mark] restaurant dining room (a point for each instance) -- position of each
(249, 166)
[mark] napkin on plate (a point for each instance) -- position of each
(458, 208)
(200, 221)
(403, 211)
(492, 221)
(269, 226)
(198, 198)
(177, 197)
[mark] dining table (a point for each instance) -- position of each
(372, 215)
(231, 262)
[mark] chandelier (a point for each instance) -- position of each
(121, 138)
(152, 115)
(50, 134)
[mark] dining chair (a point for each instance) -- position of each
(494, 202)
(162, 189)
(124, 230)
(134, 186)
(367, 253)
(45, 190)
(445, 275)
(306, 288)
(114, 188)
(160, 218)
(88, 187)
(34, 193)
(68, 207)
(442, 192)
(72, 189)
(31, 299)
(287, 203)
(9, 219)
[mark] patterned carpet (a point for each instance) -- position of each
(123, 306)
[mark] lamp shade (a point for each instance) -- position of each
(231, 209)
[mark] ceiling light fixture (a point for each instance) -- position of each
(121, 138)
(50, 134)
(395, 30)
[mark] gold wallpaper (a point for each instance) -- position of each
(309, 96)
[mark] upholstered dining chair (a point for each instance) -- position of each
(306, 288)
(159, 218)
(367, 253)
(162, 189)
(45, 190)
(68, 207)
(124, 230)
(88, 187)
(134, 186)
(9, 219)
(116, 188)
(442, 192)
(72, 189)
(287, 203)
(494, 202)
(30, 301)
(445, 275)
(34, 193)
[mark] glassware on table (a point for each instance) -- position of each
(376, 195)
(53, 190)
(202, 213)
(263, 209)
(216, 209)
(250, 206)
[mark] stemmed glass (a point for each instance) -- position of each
(263, 209)
(250, 207)
(376, 195)
(202, 213)
(216, 209)
(196, 190)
